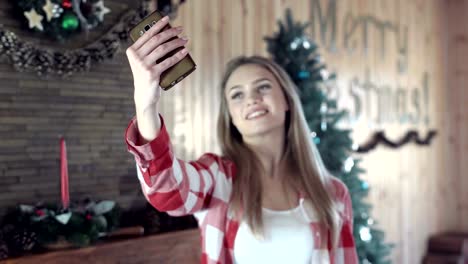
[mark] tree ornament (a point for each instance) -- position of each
(39, 212)
(89, 216)
(67, 4)
(315, 138)
(50, 10)
(70, 22)
(34, 19)
(364, 185)
(100, 10)
(303, 75)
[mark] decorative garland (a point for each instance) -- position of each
(379, 137)
(60, 19)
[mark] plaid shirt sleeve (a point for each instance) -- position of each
(172, 185)
(346, 251)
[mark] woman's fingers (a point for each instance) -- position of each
(164, 49)
(157, 40)
(171, 61)
(150, 33)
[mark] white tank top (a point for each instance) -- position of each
(288, 239)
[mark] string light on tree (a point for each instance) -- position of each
(348, 164)
(300, 41)
(364, 233)
(325, 74)
(323, 112)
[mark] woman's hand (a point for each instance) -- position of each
(142, 56)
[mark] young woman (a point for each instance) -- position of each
(268, 198)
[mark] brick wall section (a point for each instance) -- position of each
(90, 109)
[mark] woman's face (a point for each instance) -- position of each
(255, 100)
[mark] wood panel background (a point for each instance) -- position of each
(416, 191)
(457, 111)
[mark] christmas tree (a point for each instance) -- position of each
(291, 48)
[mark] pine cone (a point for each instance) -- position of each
(152, 220)
(4, 253)
(22, 240)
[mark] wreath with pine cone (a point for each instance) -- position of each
(60, 19)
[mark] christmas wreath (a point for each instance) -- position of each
(26, 56)
(61, 19)
(32, 228)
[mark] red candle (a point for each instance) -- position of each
(64, 174)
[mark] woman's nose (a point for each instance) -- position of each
(253, 98)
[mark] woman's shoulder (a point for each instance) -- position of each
(222, 163)
(338, 188)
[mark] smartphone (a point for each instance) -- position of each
(176, 73)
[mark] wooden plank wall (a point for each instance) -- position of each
(412, 187)
(415, 191)
(457, 104)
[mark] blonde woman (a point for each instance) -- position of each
(268, 198)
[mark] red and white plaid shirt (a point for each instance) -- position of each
(203, 188)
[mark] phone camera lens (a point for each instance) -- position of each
(147, 27)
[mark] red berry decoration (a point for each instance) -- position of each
(40, 212)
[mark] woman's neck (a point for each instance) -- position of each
(269, 148)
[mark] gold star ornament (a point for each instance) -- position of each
(49, 9)
(34, 19)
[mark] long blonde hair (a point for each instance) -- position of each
(311, 176)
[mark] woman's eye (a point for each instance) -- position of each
(264, 87)
(236, 95)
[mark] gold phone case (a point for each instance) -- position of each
(176, 73)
